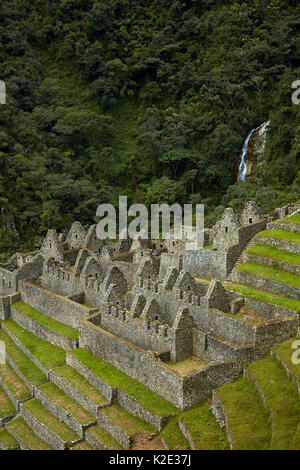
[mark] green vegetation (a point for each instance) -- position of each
(152, 100)
(173, 436)
(285, 351)
(248, 420)
(73, 377)
(264, 296)
(14, 384)
(282, 400)
(102, 436)
(44, 416)
(8, 440)
(57, 326)
(21, 428)
(32, 373)
(126, 422)
(274, 253)
(6, 406)
(279, 234)
(267, 272)
(116, 378)
(294, 219)
(48, 355)
(59, 397)
(204, 429)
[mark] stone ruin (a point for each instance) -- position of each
(156, 311)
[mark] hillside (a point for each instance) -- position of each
(152, 99)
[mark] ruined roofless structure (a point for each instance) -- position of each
(161, 314)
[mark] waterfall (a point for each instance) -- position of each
(244, 153)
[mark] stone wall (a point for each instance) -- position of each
(60, 281)
(58, 307)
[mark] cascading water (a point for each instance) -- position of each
(244, 153)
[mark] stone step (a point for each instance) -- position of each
(13, 386)
(280, 397)
(7, 409)
(77, 387)
(286, 353)
(238, 409)
(200, 428)
(28, 372)
(43, 354)
(25, 436)
(99, 439)
(116, 385)
(7, 441)
(121, 425)
(44, 327)
(172, 436)
(53, 431)
(64, 407)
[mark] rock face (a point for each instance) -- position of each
(256, 149)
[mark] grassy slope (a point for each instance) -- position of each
(279, 234)
(268, 272)
(274, 253)
(116, 378)
(59, 327)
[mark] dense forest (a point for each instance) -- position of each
(146, 98)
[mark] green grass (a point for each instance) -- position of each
(72, 376)
(295, 219)
(285, 351)
(6, 406)
(279, 234)
(173, 436)
(274, 253)
(13, 382)
(102, 436)
(48, 355)
(27, 435)
(248, 420)
(268, 272)
(204, 429)
(116, 378)
(66, 402)
(59, 327)
(264, 296)
(282, 400)
(8, 440)
(129, 424)
(44, 416)
(33, 374)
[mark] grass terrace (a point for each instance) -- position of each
(204, 429)
(13, 382)
(264, 296)
(8, 440)
(59, 397)
(27, 435)
(48, 355)
(73, 377)
(106, 439)
(285, 351)
(116, 378)
(248, 419)
(6, 406)
(294, 219)
(36, 408)
(173, 436)
(280, 234)
(126, 422)
(33, 374)
(274, 253)
(282, 400)
(268, 272)
(59, 327)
